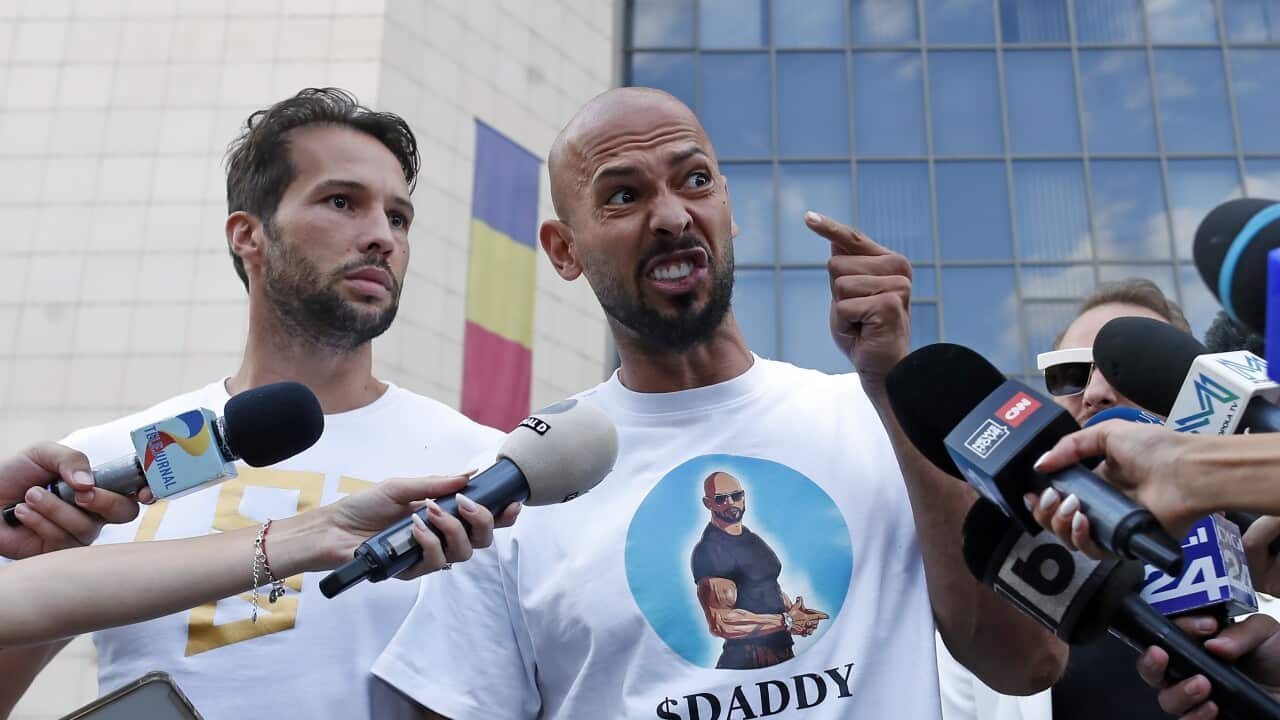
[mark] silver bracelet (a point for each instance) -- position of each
(260, 567)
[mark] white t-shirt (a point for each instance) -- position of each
(307, 656)
(590, 609)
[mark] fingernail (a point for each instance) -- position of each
(83, 477)
(1069, 506)
(34, 494)
(1030, 501)
(1077, 522)
(433, 508)
(21, 510)
(1040, 460)
(84, 497)
(418, 522)
(1206, 625)
(468, 505)
(812, 217)
(1192, 688)
(1048, 498)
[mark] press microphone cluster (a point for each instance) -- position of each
(553, 456)
(195, 449)
(969, 421)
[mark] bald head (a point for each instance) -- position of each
(610, 118)
(720, 483)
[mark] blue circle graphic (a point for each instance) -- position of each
(787, 510)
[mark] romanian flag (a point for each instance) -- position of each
(498, 346)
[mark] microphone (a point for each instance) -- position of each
(1168, 372)
(990, 431)
(553, 456)
(1079, 598)
(1126, 413)
(181, 454)
(1230, 250)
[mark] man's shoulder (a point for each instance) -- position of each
(113, 437)
(442, 418)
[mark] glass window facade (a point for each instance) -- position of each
(1018, 152)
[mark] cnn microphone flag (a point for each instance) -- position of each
(498, 343)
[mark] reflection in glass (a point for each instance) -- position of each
(1108, 21)
(959, 21)
(1053, 217)
(888, 104)
(825, 188)
(883, 21)
(965, 103)
(893, 207)
(1176, 21)
(924, 324)
(980, 311)
(1033, 21)
(1253, 80)
(1198, 304)
(1056, 281)
(1117, 101)
(733, 24)
(813, 105)
(1042, 102)
(1129, 216)
(735, 104)
(1161, 275)
(806, 329)
(662, 23)
(1045, 320)
(1262, 177)
(1195, 188)
(808, 23)
(754, 306)
(668, 71)
(1252, 20)
(973, 211)
(751, 193)
(1194, 113)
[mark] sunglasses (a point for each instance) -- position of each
(1066, 372)
(722, 498)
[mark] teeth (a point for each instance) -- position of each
(674, 271)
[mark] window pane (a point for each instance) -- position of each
(1252, 20)
(980, 311)
(1053, 218)
(806, 329)
(884, 21)
(825, 188)
(755, 310)
(732, 24)
(973, 211)
(1193, 101)
(808, 23)
(1042, 102)
(924, 282)
(1198, 304)
(1128, 209)
(1044, 322)
(893, 207)
(959, 21)
(1056, 281)
(1262, 177)
(888, 104)
(924, 324)
(1253, 79)
(1117, 101)
(1182, 21)
(1033, 21)
(1195, 188)
(662, 23)
(735, 103)
(813, 105)
(1108, 21)
(966, 103)
(751, 190)
(672, 72)
(1161, 275)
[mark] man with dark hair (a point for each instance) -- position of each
(319, 213)
(1224, 335)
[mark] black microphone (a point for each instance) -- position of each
(195, 449)
(961, 414)
(1079, 598)
(1230, 250)
(553, 456)
(1168, 372)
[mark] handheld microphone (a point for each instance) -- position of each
(1078, 598)
(1168, 372)
(1231, 248)
(195, 449)
(1126, 413)
(961, 414)
(553, 456)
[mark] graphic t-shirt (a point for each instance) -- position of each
(587, 609)
(307, 656)
(751, 565)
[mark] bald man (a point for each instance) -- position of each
(574, 613)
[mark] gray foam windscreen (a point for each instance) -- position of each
(563, 450)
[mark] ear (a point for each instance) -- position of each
(706, 503)
(557, 242)
(246, 239)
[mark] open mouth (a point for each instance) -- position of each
(677, 272)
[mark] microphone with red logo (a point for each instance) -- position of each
(967, 419)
